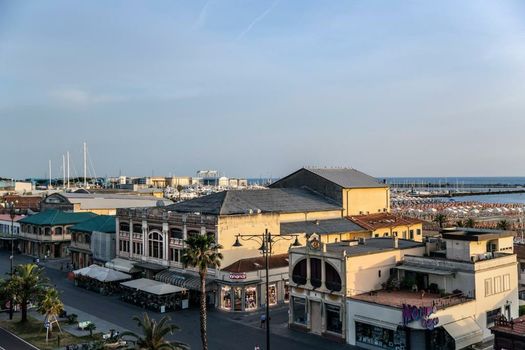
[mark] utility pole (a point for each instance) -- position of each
(85, 165)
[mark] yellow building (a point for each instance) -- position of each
(389, 225)
(357, 192)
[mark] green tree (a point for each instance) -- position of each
(91, 327)
(202, 253)
(50, 306)
(154, 334)
(470, 223)
(27, 284)
(440, 219)
(503, 225)
(179, 190)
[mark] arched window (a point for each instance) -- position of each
(332, 278)
(124, 226)
(58, 230)
(47, 231)
(315, 272)
(156, 246)
(299, 272)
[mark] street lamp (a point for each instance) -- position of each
(12, 214)
(267, 241)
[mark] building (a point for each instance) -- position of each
(324, 275)
(98, 203)
(357, 192)
(93, 241)
(47, 233)
(446, 299)
(509, 334)
(519, 249)
(9, 230)
(389, 225)
(23, 203)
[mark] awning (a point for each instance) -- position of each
(185, 280)
(465, 332)
(152, 287)
(102, 274)
(374, 322)
(122, 265)
(150, 266)
(425, 270)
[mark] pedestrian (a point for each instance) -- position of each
(263, 320)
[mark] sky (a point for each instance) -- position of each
(258, 88)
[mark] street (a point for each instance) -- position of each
(225, 330)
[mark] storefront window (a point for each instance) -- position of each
(333, 319)
(237, 291)
(299, 310)
(272, 288)
(226, 298)
(286, 291)
(380, 337)
(250, 298)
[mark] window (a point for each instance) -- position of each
(137, 228)
(299, 272)
(237, 297)
(506, 282)
(87, 237)
(137, 248)
(124, 226)
(333, 319)
(488, 287)
(492, 315)
(156, 246)
(315, 272)
(394, 233)
(497, 284)
(226, 298)
(299, 310)
(379, 273)
(286, 291)
(418, 232)
(250, 298)
(175, 254)
(176, 233)
(332, 278)
(376, 235)
(411, 232)
(273, 294)
(58, 231)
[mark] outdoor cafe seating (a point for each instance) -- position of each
(100, 279)
(154, 295)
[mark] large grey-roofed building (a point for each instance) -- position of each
(320, 227)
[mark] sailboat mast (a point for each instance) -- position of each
(85, 166)
(49, 174)
(64, 171)
(67, 169)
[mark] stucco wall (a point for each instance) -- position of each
(358, 201)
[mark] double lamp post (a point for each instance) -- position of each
(12, 214)
(267, 241)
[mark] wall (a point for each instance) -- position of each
(403, 231)
(358, 201)
(310, 216)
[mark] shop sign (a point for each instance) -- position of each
(238, 275)
(413, 313)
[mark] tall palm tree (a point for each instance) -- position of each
(503, 225)
(154, 334)
(50, 306)
(202, 253)
(440, 219)
(27, 284)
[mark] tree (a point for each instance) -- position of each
(154, 334)
(27, 284)
(50, 306)
(470, 223)
(202, 253)
(179, 190)
(91, 327)
(503, 225)
(440, 219)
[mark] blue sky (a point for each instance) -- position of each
(260, 88)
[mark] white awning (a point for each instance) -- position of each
(122, 265)
(152, 287)
(465, 332)
(374, 322)
(103, 274)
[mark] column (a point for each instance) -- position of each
(145, 238)
(323, 274)
(165, 235)
(117, 238)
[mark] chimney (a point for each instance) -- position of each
(396, 242)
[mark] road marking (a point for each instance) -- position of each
(17, 337)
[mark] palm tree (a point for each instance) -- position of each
(179, 190)
(27, 284)
(470, 223)
(154, 334)
(440, 219)
(50, 306)
(460, 223)
(503, 225)
(202, 253)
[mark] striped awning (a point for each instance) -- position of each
(183, 280)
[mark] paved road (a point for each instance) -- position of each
(9, 341)
(225, 330)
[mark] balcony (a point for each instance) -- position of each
(400, 297)
(45, 238)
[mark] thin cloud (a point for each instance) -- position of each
(257, 19)
(79, 97)
(203, 15)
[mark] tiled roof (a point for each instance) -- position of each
(101, 223)
(517, 327)
(56, 217)
(382, 220)
(287, 200)
(257, 263)
(347, 178)
(519, 250)
(321, 227)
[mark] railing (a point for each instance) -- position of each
(503, 322)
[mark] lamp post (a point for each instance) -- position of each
(267, 241)
(12, 214)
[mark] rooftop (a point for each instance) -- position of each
(400, 297)
(89, 201)
(370, 246)
(101, 223)
(257, 263)
(232, 202)
(56, 217)
(382, 220)
(474, 234)
(347, 177)
(7, 217)
(321, 227)
(516, 326)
